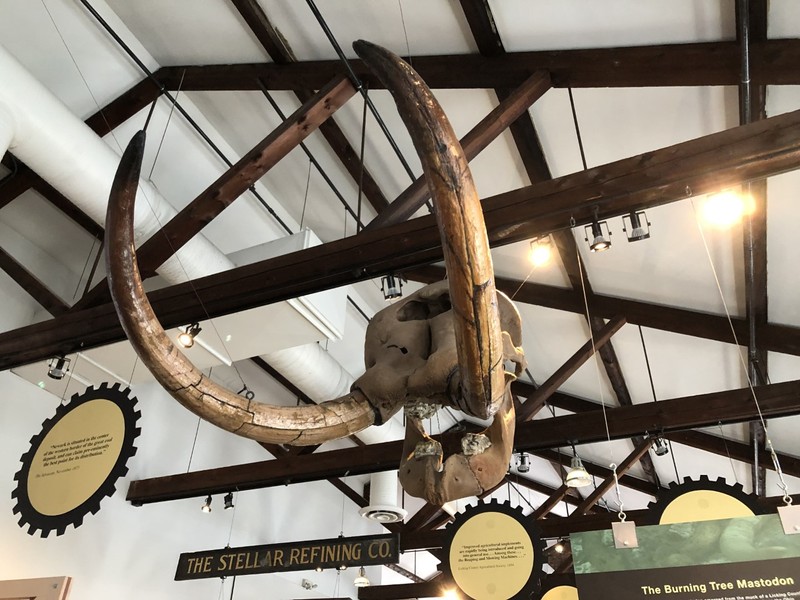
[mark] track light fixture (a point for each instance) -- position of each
(577, 476)
(633, 228)
(559, 547)
(362, 580)
(541, 251)
(392, 287)
(523, 463)
(228, 501)
(660, 446)
(58, 367)
(206, 508)
(186, 338)
(600, 235)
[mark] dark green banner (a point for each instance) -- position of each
(747, 558)
(294, 556)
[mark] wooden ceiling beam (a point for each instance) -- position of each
(551, 502)
(481, 22)
(700, 166)
(696, 439)
(777, 338)
(713, 63)
(732, 406)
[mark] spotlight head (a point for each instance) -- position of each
(660, 447)
(186, 338)
(58, 367)
(228, 500)
(541, 251)
(362, 580)
(392, 287)
(559, 547)
(523, 463)
(633, 227)
(206, 508)
(601, 240)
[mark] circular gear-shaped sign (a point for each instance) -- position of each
(493, 552)
(75, 461)
(703, 500)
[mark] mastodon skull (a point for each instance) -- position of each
(433, 348)
(412, 361)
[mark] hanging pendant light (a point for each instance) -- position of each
(361, 580)
(577, 476)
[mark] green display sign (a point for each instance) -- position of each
(749, 558)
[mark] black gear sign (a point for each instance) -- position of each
(533, 583)
(36, 521)
(667, 495)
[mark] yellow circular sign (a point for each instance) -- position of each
(76, 457)
(491, 556)
(562, 592)
(703, 505)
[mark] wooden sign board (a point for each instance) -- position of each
(293, 556)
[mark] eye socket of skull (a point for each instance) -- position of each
(423, 309)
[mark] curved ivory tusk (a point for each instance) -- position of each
(462, 229)
(302, 425)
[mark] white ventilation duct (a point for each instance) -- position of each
(65, 152)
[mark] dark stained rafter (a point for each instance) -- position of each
(778, 338)
(713, 63)
(558, 495)
(733, 406)
(702, 165)
(695, 439)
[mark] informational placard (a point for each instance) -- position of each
(493, 553)
(76, 459)
(746, 558)
(294, 556)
